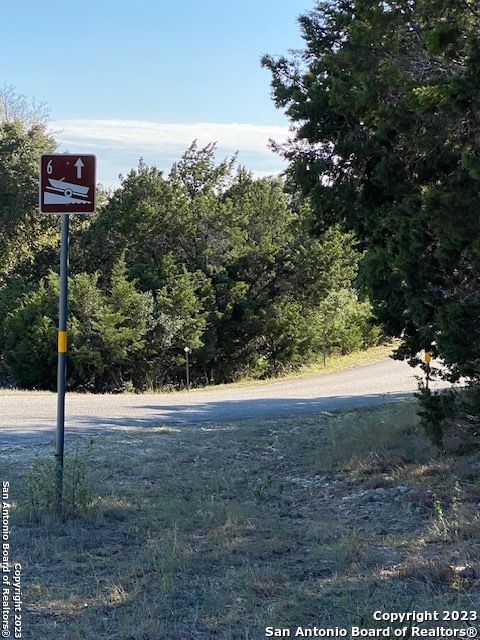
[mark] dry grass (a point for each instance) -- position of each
(334, 362)
(225, 530)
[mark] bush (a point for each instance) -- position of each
(451, 418)
(41, 484)
(106, 333)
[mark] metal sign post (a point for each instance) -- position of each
(62, 360)
(67, 185)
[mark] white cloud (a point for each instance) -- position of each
(119, 144)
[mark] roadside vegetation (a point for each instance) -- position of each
(207, 257)
(383, 99)
(223, 530)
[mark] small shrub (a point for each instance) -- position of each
(433, 411)
(261, 489)
(40, 484)
(451, 417)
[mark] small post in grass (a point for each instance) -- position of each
(187, 367)
(324, 347)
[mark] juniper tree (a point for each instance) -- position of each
(384, 101)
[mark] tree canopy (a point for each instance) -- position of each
(25, 235)
(384, 100)
(208, 257)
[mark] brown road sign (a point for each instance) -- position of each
(67, 183)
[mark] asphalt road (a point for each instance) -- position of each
(29, 418)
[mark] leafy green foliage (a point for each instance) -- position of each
(77, 486)
(107, 331)
(27, 239)
(451, 419)
(30, 336)
(207, 257)
(385, 102)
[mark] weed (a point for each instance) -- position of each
(442, 523)
(40, 484)
(349, 551)
(447, 526)
(261, 487)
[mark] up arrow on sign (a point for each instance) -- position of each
(79, 164)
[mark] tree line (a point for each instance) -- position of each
(207, 257)
(384, 101)
(381, 196)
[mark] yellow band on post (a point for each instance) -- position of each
(62, 342)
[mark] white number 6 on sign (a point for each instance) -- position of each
(49, 167)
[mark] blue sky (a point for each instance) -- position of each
(128, 79)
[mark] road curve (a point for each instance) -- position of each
(28, 418)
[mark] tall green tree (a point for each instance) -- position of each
(29, 336)
(272, 288)
(28, 241)
(385, 104)
(107, 333)
(26, 237)
(228, 260)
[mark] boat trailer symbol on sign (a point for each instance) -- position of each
(60, 192)
(67, 183)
